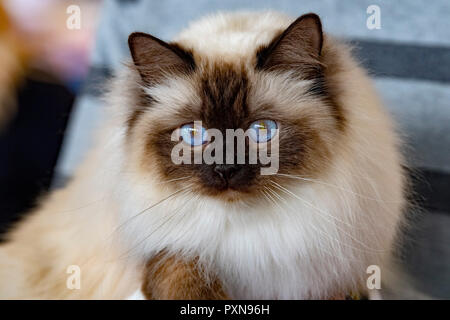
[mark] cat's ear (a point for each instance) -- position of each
(299, 46)
(156, 59)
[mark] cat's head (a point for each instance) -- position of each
(186, 94)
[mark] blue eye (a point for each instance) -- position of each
(263, 130)
(193, 134)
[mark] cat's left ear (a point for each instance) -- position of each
(156, 59)
(299, 46)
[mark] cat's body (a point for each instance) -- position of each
(311, 234)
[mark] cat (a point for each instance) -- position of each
(134, 221)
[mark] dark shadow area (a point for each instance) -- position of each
(29, 146)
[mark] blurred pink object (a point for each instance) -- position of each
(55, 48)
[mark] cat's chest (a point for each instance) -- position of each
(263, 256)
(283, 259)
(269, 262)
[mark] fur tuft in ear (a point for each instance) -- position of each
(156, 59)
(298, 47)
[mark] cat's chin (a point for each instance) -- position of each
(230, 196)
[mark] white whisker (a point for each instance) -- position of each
(330, 185)
(323, 233)
(324, 217)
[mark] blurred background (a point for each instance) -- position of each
(56, 55)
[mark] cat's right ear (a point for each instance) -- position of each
(156, 59)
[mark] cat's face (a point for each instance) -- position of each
(279, 95)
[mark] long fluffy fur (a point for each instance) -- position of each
(314, 240)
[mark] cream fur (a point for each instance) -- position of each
(310, 245)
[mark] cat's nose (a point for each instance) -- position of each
(226, 171)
